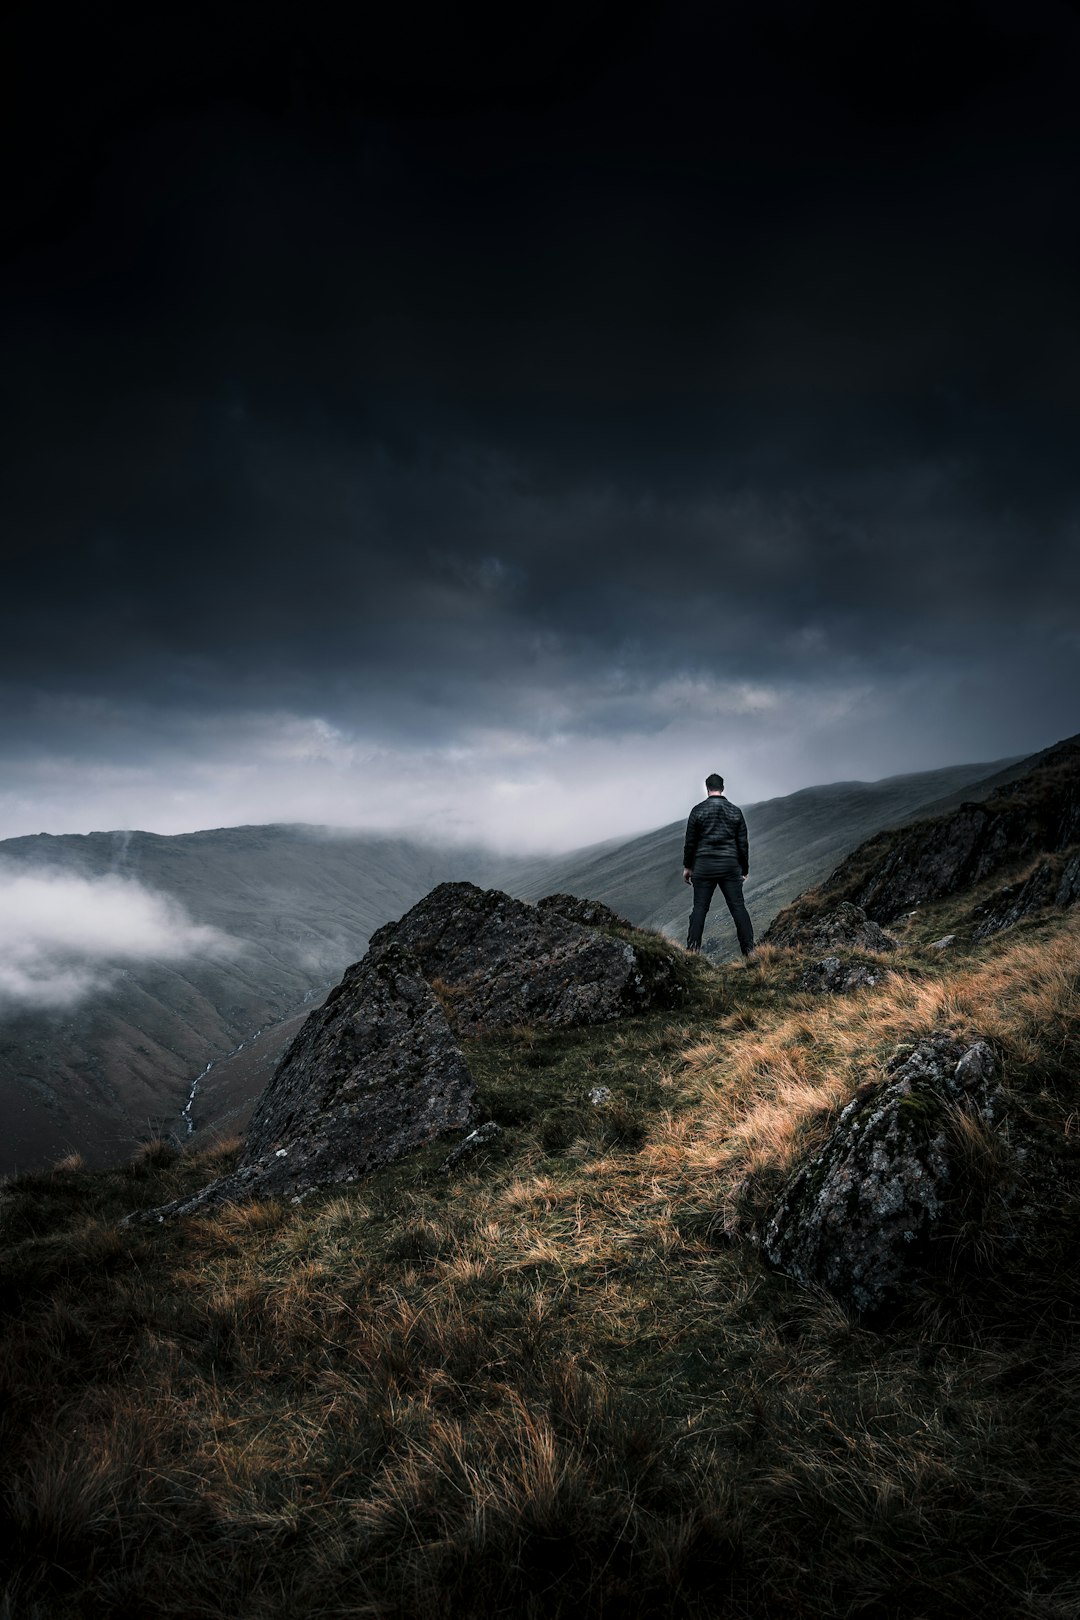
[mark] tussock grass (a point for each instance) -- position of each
(559, 1381)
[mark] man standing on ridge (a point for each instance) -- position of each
(717, 852)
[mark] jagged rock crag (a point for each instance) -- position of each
(497, 962)
(898, 870)
(375, 1072)
(857, 1217)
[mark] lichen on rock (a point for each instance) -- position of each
(857, 1216)
(831, 975)
(844, 927)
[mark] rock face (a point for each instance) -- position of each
(374, 1073)
(589, 913)
(1039, 814)
(1068, 893)
(1069, 886)
(1016, 901)
(496, 961)
(844, 927)
(831, 975)
(857, 1216)
(1051, 884)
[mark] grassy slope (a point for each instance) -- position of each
(549, 1385)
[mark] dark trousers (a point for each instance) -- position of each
(731, 889)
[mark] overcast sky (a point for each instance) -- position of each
(490, 427)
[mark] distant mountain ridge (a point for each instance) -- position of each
(305, 901)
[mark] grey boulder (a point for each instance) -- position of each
(857, 1217)
(844, 927)
(830, 975)
(490, 1131)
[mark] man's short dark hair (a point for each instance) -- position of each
(714, 783)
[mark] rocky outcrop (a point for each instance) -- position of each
(1068, 890)
(842, 927)
(1053, 883)
(899, 870)
(589, 913)
(377, 1071)
(496, 961)
(374, 1073)
(483, 1134)
(831, 975)
(857, 1217)
(1016, 901)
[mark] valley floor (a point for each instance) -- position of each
(559, 1380)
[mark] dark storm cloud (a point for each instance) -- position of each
(298, 565)
(423, 386)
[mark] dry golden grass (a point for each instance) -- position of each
(552, 1385)
(802, 1065)
(69, 1163)
(154, 1154)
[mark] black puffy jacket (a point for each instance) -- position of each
(716, 844)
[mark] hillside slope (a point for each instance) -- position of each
(1011, 851)
(559, 1380)
(301, 903)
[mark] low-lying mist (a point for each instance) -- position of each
(64, 938)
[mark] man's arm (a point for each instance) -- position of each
(742, 844)
(690, 842)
